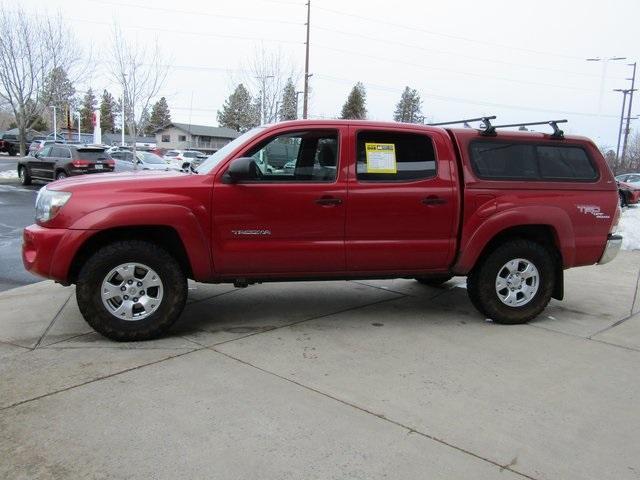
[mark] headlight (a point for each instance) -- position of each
(49, 203)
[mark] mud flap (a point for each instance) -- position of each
(558, 288)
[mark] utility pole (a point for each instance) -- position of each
(626, 131)
(305, 104)
(624, 102)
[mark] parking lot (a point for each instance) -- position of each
(16, 212)
(376, 379)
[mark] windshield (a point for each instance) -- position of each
(147, 157)
(213, 160)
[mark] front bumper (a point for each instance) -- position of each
(48, 252)
(614, 243)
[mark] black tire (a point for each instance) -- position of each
(12, 151)
(434, 281)
(481, 283)
(61, 174)
(98, 266)
(24, 175)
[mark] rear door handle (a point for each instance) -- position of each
(328, 201)
(433, 200)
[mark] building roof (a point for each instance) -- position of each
(202, 130)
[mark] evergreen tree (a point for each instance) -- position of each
(355, 106)
(107, 113)
(160, 115)
(289, 103)
(409, 108)
(58, 91)
(239, 111)
(89, 104)
(144, 126)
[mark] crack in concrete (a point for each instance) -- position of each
(55, 317)
(93, 380)
(410, 430)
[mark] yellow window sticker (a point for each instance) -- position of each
(381, 158)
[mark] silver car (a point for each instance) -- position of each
(146, 161)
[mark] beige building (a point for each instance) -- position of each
(182, 136)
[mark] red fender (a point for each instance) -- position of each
(478, 232)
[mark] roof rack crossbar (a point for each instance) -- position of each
(466, 120)
(557, 133)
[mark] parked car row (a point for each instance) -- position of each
(50, 160)
(58, 161)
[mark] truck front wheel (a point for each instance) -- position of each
(131, 290)
(514, 283)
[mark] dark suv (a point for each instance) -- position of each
(58, 161)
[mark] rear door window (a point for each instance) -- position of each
(394, 156)
(521, 161)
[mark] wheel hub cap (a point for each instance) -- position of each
(131, 291)
(517, 282)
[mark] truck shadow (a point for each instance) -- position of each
(325, 304)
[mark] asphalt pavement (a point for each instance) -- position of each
(16, 212)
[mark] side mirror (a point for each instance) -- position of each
(36, 155)
(243, 168)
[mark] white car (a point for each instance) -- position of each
(183, 158)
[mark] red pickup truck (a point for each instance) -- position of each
(317, 200)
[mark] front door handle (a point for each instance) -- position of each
(328, 201)
(434, 200)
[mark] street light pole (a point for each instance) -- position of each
(605, 62)
(263, 110)
(297, 101)
(55, 124)
(77, 114)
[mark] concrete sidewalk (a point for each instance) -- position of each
(366, 380)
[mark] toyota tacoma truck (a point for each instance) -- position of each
(510, 210)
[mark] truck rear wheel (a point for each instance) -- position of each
(131, 290)
(514, 283)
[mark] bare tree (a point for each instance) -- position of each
(141, 74)
(30, 49)
(269, 72)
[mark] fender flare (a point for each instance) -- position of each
(488, 228)
(180, 218)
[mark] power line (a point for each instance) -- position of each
(379, 21)
(459, 72)
(443, 52)
(180, 32)
(197, 13)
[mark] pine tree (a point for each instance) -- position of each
(89, 104)
(409, 108)
(289, 103)
(239, 111)
(107, 113)
(160, 115)
(58, 91)
(144, 126)
(355, 106)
